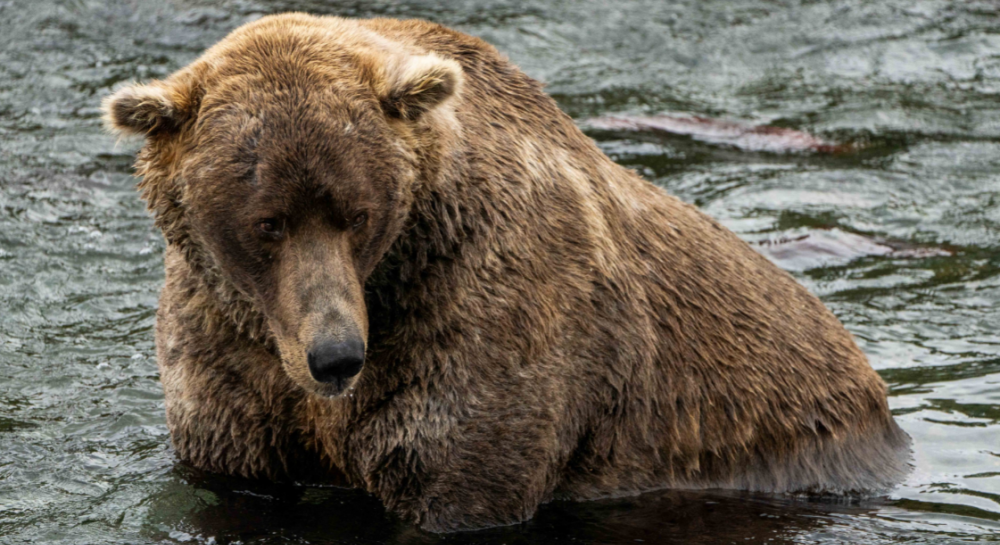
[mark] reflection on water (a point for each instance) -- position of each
(260, 513)
(899, 238)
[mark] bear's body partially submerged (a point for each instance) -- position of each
(536, 322)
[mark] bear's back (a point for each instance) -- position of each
(719, 368)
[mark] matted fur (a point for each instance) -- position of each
(540, 322)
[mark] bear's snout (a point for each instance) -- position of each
(333, 361)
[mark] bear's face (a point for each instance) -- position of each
(296, 202)
(291, 181)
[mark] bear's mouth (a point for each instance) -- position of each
(334, 388)
(327, 371)
(337, 388)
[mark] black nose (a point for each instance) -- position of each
(330, 361)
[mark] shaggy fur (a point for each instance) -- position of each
(540, 322)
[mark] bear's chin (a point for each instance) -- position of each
(341, 387)
(298, 373)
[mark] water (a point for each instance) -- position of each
(899, 239)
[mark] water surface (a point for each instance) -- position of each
(899, 239)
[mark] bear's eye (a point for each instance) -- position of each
(359, 220)
(270, 227)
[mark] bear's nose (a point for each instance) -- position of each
(330, 361)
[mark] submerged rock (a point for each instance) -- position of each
(721, 132)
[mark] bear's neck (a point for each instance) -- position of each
(416, 283)
(421, 261)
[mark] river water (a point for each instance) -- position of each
(899, 238)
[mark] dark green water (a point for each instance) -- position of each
(900, 240)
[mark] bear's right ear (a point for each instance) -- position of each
(143, 110)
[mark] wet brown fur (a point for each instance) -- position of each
(540, 322)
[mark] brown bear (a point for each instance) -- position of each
(391, 257)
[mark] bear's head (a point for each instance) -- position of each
(282, 165)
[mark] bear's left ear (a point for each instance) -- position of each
(419, 83)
